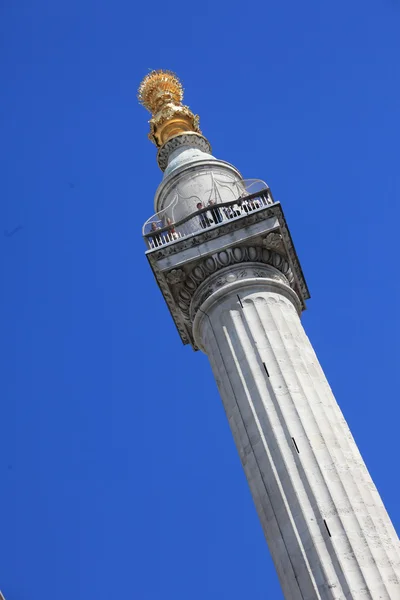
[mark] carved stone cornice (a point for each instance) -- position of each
(183, 268)
(232, 262)
(233, 280)
(238, 275)
(194, 140)
(211, 234)
(286, 246)
(274, 241)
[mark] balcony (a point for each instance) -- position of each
(161, 229)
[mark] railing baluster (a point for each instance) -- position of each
(196, 222)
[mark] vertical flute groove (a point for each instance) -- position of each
(321, 514)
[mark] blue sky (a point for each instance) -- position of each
(118, 473)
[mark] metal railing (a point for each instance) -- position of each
(216, 191)
(160, 233)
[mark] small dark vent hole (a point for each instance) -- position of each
(240, 302)
(327, 528)
(266, 370)
(295, 445)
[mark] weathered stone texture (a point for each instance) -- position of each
(327, 529)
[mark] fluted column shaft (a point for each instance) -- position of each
(327, 530)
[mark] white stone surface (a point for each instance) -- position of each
(204, 249)
(194, 181)
(240, 327)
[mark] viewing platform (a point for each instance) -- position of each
(249, 196)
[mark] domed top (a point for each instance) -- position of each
(161, 93)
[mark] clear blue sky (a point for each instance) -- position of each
(118, 473)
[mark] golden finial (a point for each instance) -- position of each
(161, 93)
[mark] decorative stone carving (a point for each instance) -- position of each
(235, 273)
(285, 261)
(175, 276)
(274, 241)
(213, 233)
(187, 139)
(175, 312)
(227, 258)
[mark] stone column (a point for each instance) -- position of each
(326, 527)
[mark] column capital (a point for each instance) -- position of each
(257, 246)
(236, 280)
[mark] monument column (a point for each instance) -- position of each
(224, 260)
(326, 527)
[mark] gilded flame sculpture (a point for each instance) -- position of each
(161, 93)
